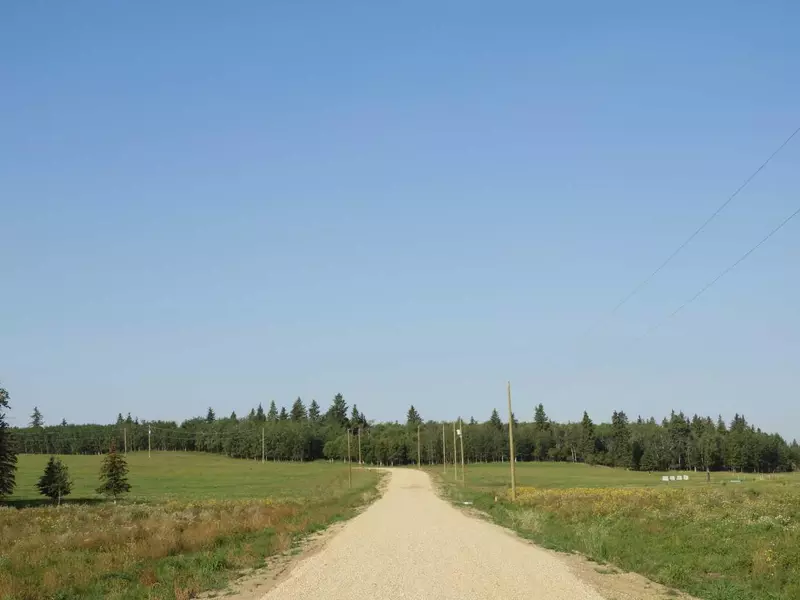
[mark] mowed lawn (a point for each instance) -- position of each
(192, 522)
(735, 538)
(188, 476)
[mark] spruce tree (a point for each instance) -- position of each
(313, 412)
(337, 413)
(260, 413)
(540, 418)
(114, 475)
(298, 412)
(587, 438)
(55, 482)
(8, 455)
(272, 415)
(210, 416)
(412, 417)
(37, 420)
(283, 416)
(495, 420)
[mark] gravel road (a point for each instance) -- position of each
(410, 544)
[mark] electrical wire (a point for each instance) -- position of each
(642, 284)
(722, 274)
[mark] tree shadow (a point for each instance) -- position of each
(39, 502)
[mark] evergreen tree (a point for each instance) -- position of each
(413, 418)
(721, 425)
(63, 422)
(36, 418)
(55, 482)
(260, 416)
(120, 420)
(313, 412)
(621, 440)
(495, 421)
(233, 416)
(358, 419)
(252, 415)
(114, 475)
(283, 416)
(272, 415)
(8, 455)
(540, 418)
(337, 413)
(472, 421)
(298, 412)
(210, 416)
(588, 440)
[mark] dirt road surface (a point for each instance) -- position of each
(411, 545)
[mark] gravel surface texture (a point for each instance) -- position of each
(411, 544)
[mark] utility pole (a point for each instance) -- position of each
(349, 462)
(461, 431)
(419, 449)
(149, 433)
(444, 450)
(263, 454)
(359, 446)
(125, 437)
(511, 453)
(455, 453)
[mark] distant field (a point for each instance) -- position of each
(189, 476)
(719, 541)
(191, 523)
(568, 475)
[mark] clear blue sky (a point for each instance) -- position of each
(225, 203)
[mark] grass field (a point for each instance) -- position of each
(191, 523)
(720, 540)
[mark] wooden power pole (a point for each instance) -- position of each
(455, 453)
(461, 430)
(444, 450)
(349, 462)
(511, 453)
(419, 449)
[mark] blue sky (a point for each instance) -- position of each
(222, 204)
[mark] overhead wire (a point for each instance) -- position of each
(646, 281)
(722, 273)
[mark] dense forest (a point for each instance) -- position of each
(307, 433)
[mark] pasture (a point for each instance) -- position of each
(719, 541)
(192, 522)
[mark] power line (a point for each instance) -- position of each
(705, 223)
(722, 274)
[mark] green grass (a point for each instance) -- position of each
(186, 476)
(192, 522)
(568, 475)
(720, 541)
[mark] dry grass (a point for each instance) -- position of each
(717, 541)
(161, 550)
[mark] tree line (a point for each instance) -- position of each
(302, 433)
